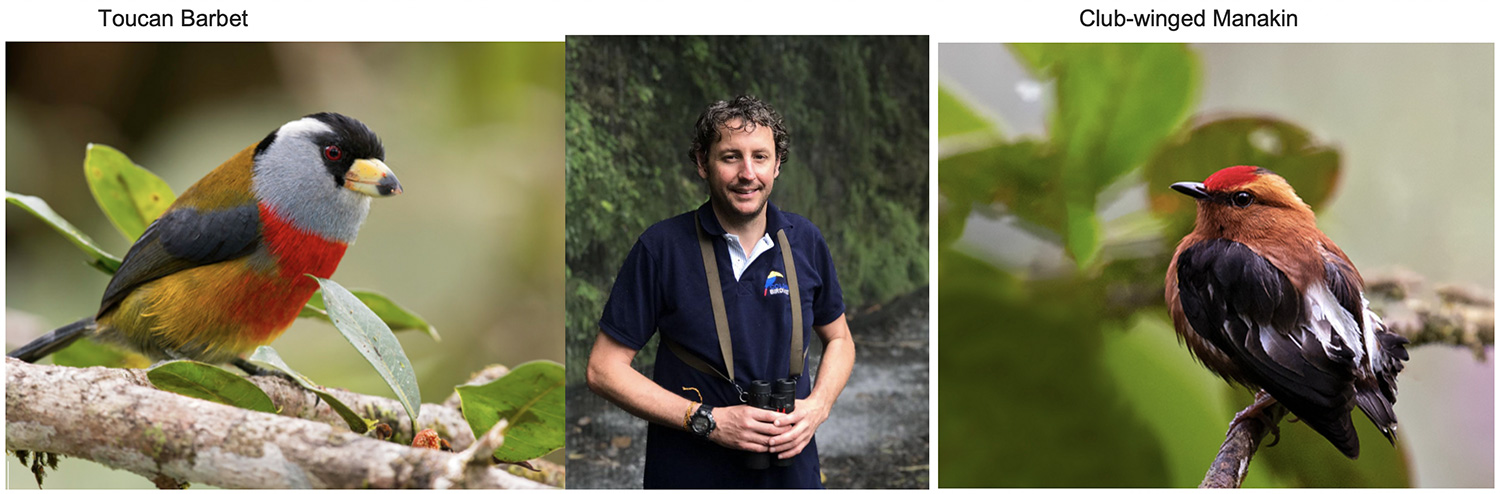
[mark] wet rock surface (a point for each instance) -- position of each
(876, 437)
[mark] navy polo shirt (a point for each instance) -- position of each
(662, 287)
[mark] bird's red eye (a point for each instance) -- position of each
(333, 153)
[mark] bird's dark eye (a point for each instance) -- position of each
(1242, 199)
(333, 153)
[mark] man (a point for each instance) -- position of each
(665, 285)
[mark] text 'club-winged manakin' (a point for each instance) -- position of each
(1264, 299)
(222, 270)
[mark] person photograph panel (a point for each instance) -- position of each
(779, 271)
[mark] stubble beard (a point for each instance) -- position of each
(731, 213)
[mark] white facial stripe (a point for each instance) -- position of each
(302, 128)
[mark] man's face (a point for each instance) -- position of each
(740, 169)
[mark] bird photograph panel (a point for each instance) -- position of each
(1221, 265)
(385, 217)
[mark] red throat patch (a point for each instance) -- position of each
(272, 302)
(298, 251)
(1231, 177)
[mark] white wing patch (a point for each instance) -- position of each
(1327, 319)
(1374, 325)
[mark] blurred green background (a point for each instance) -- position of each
(1058, 364)
(473, 130)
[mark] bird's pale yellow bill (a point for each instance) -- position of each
(372, 178)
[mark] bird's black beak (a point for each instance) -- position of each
(1191, 189)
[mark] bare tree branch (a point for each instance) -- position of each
(116, 418)
(1458, 316)
(294, 401)
(1233, 461)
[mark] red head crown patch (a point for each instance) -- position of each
(1232, 177)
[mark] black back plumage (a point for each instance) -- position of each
(1247, 308)
(177, 241)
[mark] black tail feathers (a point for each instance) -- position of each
(1377, 397)
(51, 342)
(1379, 411)
(1339, 430)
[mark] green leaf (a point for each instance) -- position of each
(397, 317)
(530, 399)
(1083, 232)
(376, 342)
(39, 208)
(956, 116)
(952, 218)
(268, 357)
(1311, 168)
(1021, 175)
(1114, 105)
(1024, 361)
(89, 353)
(207, 382)
(132, 197)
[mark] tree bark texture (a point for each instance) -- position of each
(117, 418)
(1233, 461)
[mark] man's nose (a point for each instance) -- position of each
(746, 170)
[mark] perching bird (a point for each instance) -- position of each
(222, 270)
(1264, 299)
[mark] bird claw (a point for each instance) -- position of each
(1256, 411)
(257, 370)
(1275, 433)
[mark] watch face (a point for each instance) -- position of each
(700, 424)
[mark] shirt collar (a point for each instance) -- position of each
(710, 222)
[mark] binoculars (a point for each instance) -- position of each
(781, 397)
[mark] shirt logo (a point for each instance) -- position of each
(776, 285)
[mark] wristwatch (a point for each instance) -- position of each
(702, 422)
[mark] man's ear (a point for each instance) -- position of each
(702, 172)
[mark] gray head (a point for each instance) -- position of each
(319, 173)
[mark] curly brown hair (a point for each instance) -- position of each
(752, 111)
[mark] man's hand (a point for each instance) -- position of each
(800, 425)
(746, 428)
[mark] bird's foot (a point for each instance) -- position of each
(1257, 411)
(257, 370)
(1276, 433)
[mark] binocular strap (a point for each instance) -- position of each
(796, 300)
(721, 317)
